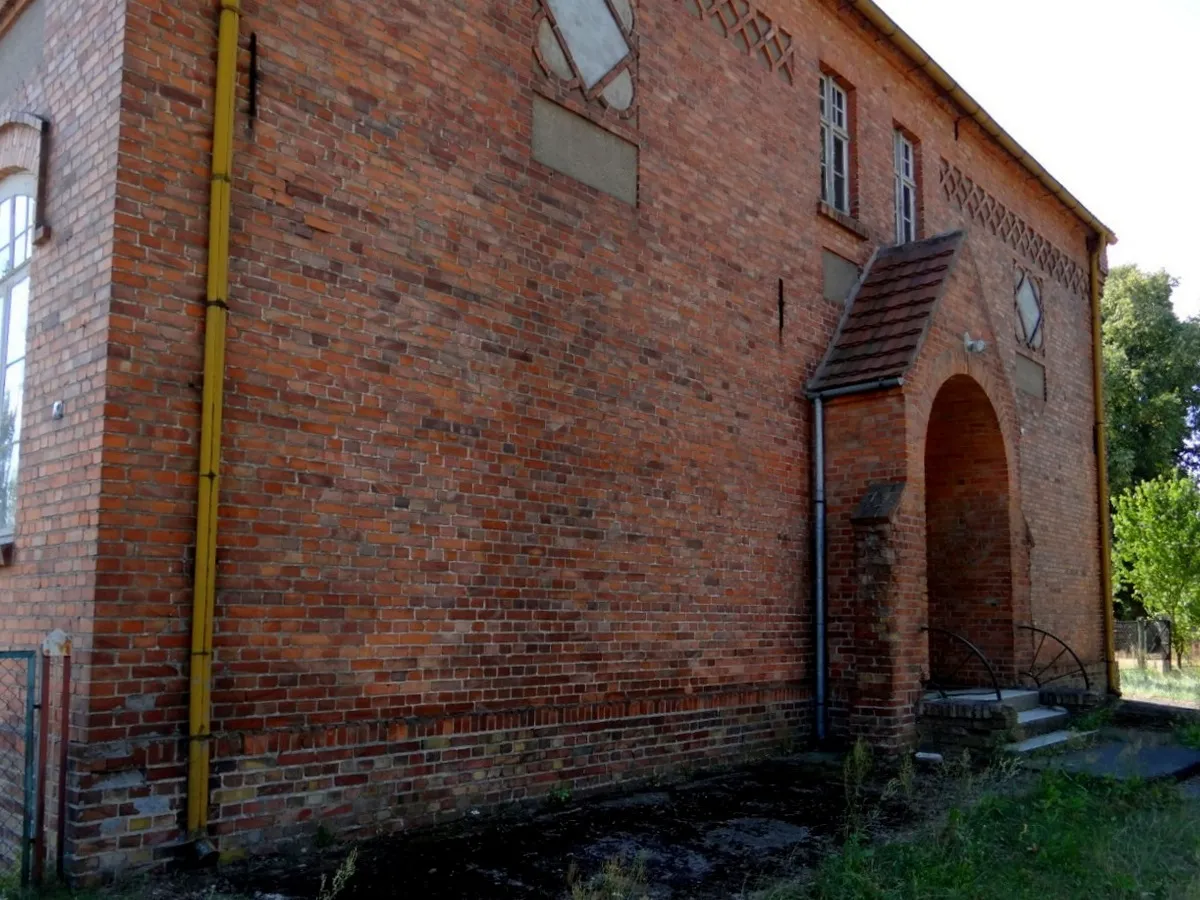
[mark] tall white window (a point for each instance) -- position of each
(906, 190)
(16, 248)
(835, 145)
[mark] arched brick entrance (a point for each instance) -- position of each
(968, 535)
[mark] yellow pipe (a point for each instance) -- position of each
(204, 588)
(969, 105)
(1110, 646)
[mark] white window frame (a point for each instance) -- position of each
(21, 185)
(906, 189)
(835, 133)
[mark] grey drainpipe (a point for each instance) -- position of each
(818, 399)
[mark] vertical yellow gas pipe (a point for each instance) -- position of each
(1110, 650)
(204, 594)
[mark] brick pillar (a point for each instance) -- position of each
(875, 599)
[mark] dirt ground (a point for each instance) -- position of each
(721, 836)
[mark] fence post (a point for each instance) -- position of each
(60, 849)
(30, 754)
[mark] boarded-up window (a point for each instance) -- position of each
(1031, 377)
(574, 146)
(840, 276)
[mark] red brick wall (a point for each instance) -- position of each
(516, 488)
(77, 88)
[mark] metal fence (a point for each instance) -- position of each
(18, 755)
(1143, 639)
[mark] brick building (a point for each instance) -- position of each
(530, 308)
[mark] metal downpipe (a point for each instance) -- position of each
(819, 559)
(1101, 438)
(216, 311)
(820, 638)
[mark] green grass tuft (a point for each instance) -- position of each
(1178, 686)
(1188, 734)
(1072, 837)
(620, 879)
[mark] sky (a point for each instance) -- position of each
(1104, 93)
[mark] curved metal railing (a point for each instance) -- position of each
(940, 684)
(1037, 674)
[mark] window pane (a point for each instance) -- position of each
(9, 463)
(839, 174)
(1028, 309)
(592, 35)
(20, 223)
(10, 408)
(18, 320)
(824, 165)
(5, 235)
(21, 219)
(824, 113)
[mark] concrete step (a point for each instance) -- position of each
(1052, 740)
(1041, 720)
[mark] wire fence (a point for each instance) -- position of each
(18, 674)
(1143, 639)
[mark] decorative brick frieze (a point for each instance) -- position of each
(984, 209)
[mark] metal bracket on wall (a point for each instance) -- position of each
(252, 109)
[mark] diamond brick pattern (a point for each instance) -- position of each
(986, 210)
(750, 30)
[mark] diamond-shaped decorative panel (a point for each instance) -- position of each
(984, 209)
(751, 31)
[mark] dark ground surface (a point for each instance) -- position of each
(715, 837)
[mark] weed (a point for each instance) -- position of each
(619, 879)
(856, 768)
(560, 795)
(340, 878)
(324, 836)
(1188, 734)
(961, 770)
(904, 784)
(1093, 719)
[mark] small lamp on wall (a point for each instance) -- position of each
(972, 345)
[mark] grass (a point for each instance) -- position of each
(620, 879)
(1072, 837)
(1188, 734)
(1178, 686)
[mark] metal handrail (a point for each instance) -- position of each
(975, 651)
(1036, 676)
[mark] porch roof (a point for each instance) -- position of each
(888, 313)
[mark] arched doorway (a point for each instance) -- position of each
(968, 537)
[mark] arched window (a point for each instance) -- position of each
(17, 216)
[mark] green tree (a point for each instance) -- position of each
(1151, 378)
(1156, 551)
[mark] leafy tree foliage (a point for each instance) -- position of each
(1157, 551)
(1152, 378)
